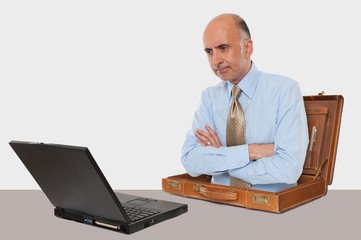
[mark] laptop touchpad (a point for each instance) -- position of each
(139, 201)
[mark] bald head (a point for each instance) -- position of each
(236, 21)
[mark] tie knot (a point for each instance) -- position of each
(236, 91)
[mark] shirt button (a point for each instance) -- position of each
(242, 163)
(234, 165)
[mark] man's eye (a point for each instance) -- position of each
(224, 47)
(209, 52)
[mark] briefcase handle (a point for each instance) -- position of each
(216, 194)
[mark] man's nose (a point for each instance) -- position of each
(217, 59)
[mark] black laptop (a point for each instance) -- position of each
(75, 185)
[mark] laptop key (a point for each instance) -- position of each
(136, 214)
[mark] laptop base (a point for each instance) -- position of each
(117, 225)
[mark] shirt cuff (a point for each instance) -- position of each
(237, 156)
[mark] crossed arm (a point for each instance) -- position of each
(279, 161)
(256, 151)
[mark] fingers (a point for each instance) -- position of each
(213, 135)
(209, 138)
(203, 136)
(258, 151)
(202, 143)
(269, 150)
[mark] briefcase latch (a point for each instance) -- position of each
(196, 188)
(261, 199)
(174, 185)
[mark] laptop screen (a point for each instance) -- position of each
(70, 178)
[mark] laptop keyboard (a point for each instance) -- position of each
(136, 214)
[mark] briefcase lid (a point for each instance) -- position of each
(324, 120)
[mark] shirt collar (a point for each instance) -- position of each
(247, 84)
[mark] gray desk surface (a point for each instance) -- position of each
(29, 214)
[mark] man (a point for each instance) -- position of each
(270, 138)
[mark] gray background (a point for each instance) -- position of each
(124, 77)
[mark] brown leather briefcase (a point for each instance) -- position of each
(324, 118)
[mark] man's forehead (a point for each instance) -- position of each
(219, 32)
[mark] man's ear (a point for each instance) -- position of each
(248, 47)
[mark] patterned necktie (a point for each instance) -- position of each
(236, 131)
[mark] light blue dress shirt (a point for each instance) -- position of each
(274, 113)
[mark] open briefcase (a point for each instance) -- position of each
(323, 118)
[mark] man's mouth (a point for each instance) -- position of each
(222, 70)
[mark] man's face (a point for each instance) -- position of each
(222, 44)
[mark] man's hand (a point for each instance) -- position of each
(258, 151)
(208, 139)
